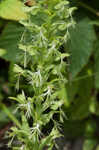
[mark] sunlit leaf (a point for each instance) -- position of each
(11, 10)
(9, 40)
(80, 45)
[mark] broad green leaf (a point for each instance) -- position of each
(97, 64)
(96, 22)
(79, 128)
(94, 106)
(90, 128)
(11, 10)
(89, 144)
(9, 40)
(63, 95)
(71, 89)
(2, 52)
(4, 119)
(2, 22)
(10, 115)
(80, 107)
(74, 128)
(80, 45)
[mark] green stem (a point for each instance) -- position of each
(89, 8)
(10, 115)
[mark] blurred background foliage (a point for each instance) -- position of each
(81, 94)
